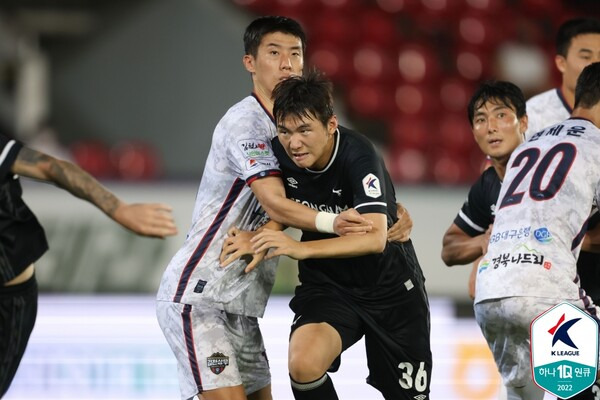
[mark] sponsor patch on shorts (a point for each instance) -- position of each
(217, 362)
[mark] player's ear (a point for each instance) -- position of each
(561, 63)
(248, 62)
(523, 123)
(332, 124)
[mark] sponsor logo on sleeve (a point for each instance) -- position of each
(253, 164)
(372, 186)
(253, 148)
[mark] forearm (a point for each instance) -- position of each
(290, 213)
(344, 247)
(461, 251)
(81, 184)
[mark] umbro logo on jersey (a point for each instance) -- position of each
(292, 182)
(420, 397)
(337, 191)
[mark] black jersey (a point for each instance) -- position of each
(478, 211)
(22, 238)
(355, 177)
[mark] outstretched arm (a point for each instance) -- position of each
(154, 220)
(271, 195)
(338, 247)
(460, 248)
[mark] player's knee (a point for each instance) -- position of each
(304, 368)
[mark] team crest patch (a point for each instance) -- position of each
(217, 362)
(254, 148)
(371, 186)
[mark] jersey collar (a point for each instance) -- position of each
(561, 97)
(333, 156)
(265, 109)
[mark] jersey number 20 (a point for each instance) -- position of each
(529, 158)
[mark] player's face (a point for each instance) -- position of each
(307, 141)
(279, 56)
(583, 51)
(497, 129)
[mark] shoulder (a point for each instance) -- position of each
(542, 98)
(247, 119)
(355, 143)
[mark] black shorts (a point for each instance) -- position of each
(18, 309)
(396, 335)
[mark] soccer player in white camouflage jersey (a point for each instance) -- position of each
(208, 314)
(577, 46)
(550, 184)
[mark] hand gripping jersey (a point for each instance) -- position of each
(355, 177)
(240, 153)
(22, 238)
(551, 183)
(545, 109)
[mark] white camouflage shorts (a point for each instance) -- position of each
(505, 325)
(214, 349)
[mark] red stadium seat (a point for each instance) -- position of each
(455, 93)
(370, 100)
(417, 63)
(408, 166)
(454, 133)
(415, 99)
(372, 63)
(490, 7)
(542, 8)
(472, 64)
(93, 156)
(449, 168)
(398, 6)
(135, 160)
(333, 27)
(410, 132)
(480, 31)
(332, 60)
(377, 27)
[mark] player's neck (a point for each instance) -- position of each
(568, 95)
(499, 165)
(592, 114)
(264, 97)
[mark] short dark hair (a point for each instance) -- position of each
(587, 90)
(574, 27)
(269, 24)
(303, 97)
(506, 93)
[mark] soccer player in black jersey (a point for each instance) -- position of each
(498, 120)
(351, 286)
(22, 238)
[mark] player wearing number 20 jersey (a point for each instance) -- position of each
(548, 191)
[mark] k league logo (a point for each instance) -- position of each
(564, 350)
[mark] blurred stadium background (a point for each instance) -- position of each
(132, 89)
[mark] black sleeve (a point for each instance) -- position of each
(9, 149)
(476, 213)
(368, 181)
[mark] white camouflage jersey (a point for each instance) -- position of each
(551, 183)
(545, 109)
(240, 153)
